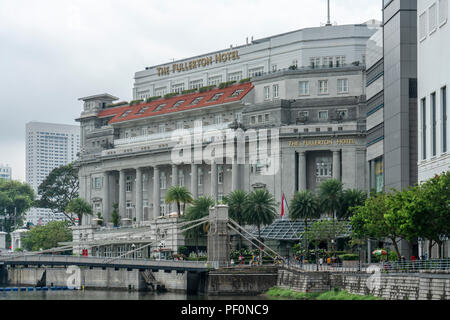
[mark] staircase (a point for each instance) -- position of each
(151, 281)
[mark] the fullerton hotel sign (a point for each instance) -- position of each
(199, 63)
(321, 142)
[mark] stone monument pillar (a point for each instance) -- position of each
(218, 236)
(2, 241)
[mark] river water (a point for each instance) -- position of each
(113, 295)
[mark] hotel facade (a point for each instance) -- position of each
(291, 115)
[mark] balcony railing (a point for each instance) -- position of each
(159, 137)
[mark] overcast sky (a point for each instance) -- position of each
(53, 52)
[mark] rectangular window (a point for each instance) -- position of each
(162, 181)
(180, 178)
(178, 88)
(340, 61)
(424, 129)
(97, 183)
(144, 131)
(432, 17)
(423, 26)
(343, 86)
(214, 81)
(444, 118)
(315, 62)
(260, 118)
(276, 91)
(180, 125)
(236, 76)
(220, 174)
(162, 207)
(196, 84)
(253, 119)
(323, 115)
(218, 119)
(274, 68)
(267, 93)
(304, 88)
(200, 177)
(255, 72)
(433, 123)
(162, 128)
(267, 117)
(323, 86)
(238, 117)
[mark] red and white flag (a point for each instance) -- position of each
(284, 207)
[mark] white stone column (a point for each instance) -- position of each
(175, 183)
(139, 196)
(174, 175)
(194, 180)
(156, 193)
(122, 194)
(337, 165)
(214, 185)
(235, 175)
(106, 200)
(302, 178)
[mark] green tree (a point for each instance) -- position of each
(260, 209)
(115, 217)
(48, 236)
(15, 199)
(236, 203)
(325, 230)
(330, 195)
(58, 189)
(350, 198)
(179, 195)
(80, 207)
(305, 205)
(376, 220)
(199, 209)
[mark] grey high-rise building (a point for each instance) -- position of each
(48, 146)
(400, 93)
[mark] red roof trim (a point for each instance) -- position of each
(186, 105)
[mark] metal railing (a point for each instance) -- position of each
(384, 267)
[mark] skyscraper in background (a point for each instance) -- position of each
(5, 172)
(48, 146)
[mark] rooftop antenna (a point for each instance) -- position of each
(329, 20)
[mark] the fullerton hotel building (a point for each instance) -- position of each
(305, 89)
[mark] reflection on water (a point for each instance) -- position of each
(111, 295)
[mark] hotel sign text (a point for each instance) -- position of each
(199, 63)
(321, 142)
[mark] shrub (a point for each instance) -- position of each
(224, 85)
(349, 257)
(152, 99)
(188, 91)
(245, 80)
(170, 95)
(136, 102)
(205, 89)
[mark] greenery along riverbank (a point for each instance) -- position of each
(330, 295)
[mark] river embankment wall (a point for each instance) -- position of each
(423, 285)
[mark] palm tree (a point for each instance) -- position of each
(79, 207)
(305, 205)
(179, 195)
(199, 209)
(330, 194)
(260, 209)
(236, 204)
(350, 198)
